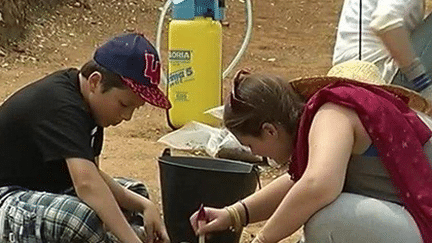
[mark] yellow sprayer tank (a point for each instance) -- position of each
(194, 70)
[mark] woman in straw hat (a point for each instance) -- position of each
(358, 151)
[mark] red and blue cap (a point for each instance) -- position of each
(136, 60)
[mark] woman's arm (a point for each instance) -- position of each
(331, 140)
(92, 189)
(262, 204)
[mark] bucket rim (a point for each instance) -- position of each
(250, 169)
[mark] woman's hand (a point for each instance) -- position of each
(154, 228)
(216, 220)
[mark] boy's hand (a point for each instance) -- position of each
(154, 228)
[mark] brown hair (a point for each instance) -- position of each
(259, 98)
(109, 79)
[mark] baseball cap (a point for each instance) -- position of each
(135, 59)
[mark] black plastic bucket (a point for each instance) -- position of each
(187, 182)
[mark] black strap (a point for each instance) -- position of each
(360, 29)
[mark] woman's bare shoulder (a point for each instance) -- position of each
(344, 116)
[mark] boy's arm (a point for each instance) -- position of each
(92, 189)
(127, 199)
(132, 201)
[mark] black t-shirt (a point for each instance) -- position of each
(40, 126)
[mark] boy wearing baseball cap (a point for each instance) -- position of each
(51, 134)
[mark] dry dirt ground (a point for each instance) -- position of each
(290, 37)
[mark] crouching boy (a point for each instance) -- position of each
(51, 133)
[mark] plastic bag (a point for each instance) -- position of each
(215, 142)
(193, 136)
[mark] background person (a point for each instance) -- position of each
(383, 38)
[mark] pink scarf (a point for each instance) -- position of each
(397, 133)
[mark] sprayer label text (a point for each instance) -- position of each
(180, 76)
(181, 96)
(180, 55)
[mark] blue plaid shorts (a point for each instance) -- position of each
(33, 216)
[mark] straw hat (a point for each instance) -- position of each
(359, 72)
